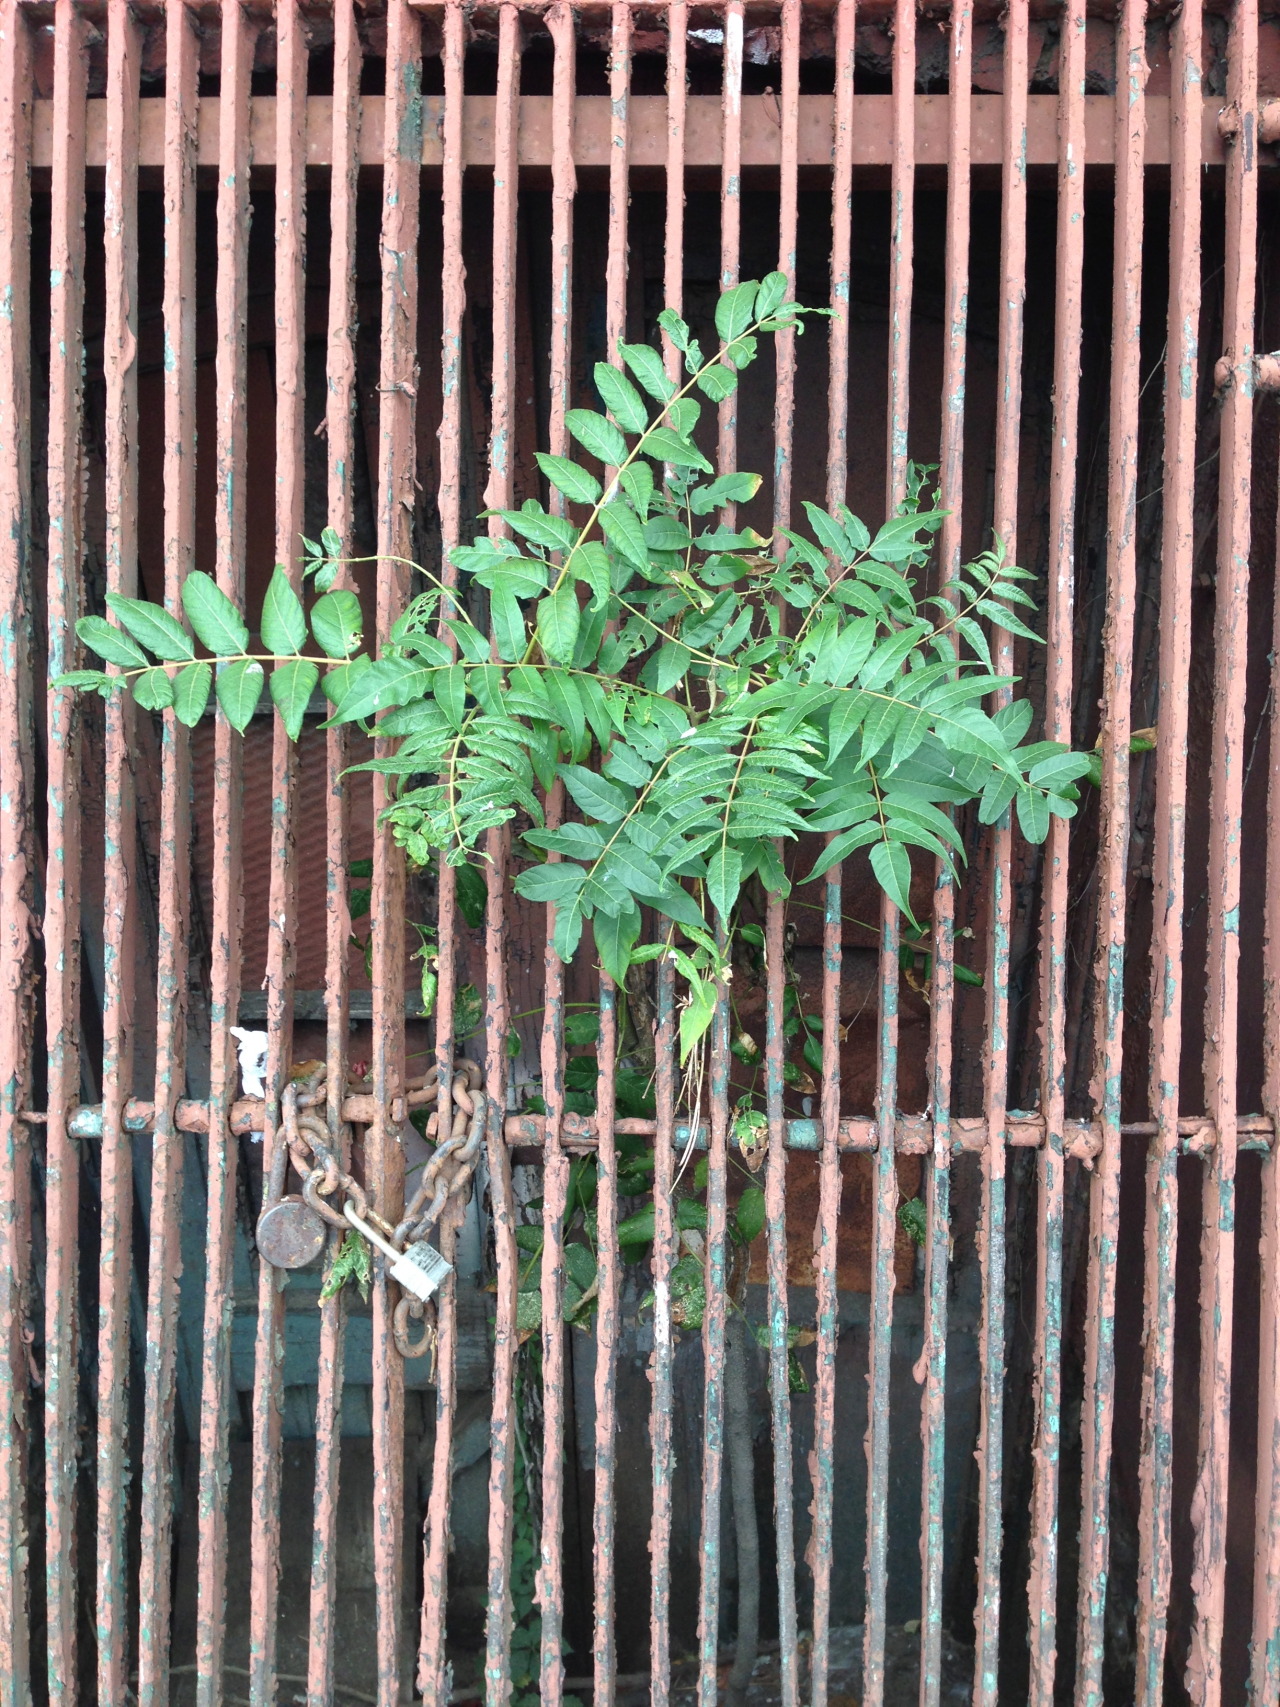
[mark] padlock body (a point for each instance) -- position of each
(421, 1270)
(290, 1233)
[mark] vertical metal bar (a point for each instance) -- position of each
(1104, 1206)
(454, 292)
(555, 1196)
(268, 1375)
(776, 1222)
(901, 245)
(775, 1178)
(62, 881)
(564, 184)
(819, 1556)
(1264, 1667)
(120, 350)
(604, 1657)
(167, 1148)
(1042, 1588)
(619, 174)
(1177, 554)
(340, 460)
(938, 1174)
(1230, 653)
(677, 116)
(231, 454)
(730, 207)
(884, 1232)
(991, 1235)
(713, 1357)
(397, 489)
(16, 849)
(432, 1663)
(660, 1415)
(503, 1465)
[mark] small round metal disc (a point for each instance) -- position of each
(290, 1233)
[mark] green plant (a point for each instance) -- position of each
(701, 698)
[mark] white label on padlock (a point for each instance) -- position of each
(421, 1270)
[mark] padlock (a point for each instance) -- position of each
(290, 1233)
(420, 1270)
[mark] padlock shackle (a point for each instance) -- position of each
(375, 1239)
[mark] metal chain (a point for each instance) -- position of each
(446, 1179)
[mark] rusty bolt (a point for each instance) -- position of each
(1229, 122)
(399, 1111)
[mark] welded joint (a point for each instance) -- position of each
(1262, 376)
(1267, 122)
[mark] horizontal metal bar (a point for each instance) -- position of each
(1025, 1129)
(761, 133)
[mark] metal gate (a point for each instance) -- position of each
(1039, 231)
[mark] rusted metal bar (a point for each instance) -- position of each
(1042, 1587)
(504, 1456)
(648, 136)
(730, 210)
(603, 1648)
(775, 1189)
(1222, 996)
(1264, 1659)
(991, 1230)
(282, 911)
(17, 853)
(677, 115)
(454, 286)
(563, 190)
(231, 454)
(432, 1660)
(822, 1462)
(1104, 1202)
(619, 173)
(120, 348)
(164, 1251)
(397, 486)
(884, 1221)
(661, 1410)
(62, 879)
(775, 1178)
(555, 1197)
(713, 1358)
(938, 1169)
(1177, 561)
(339, 427)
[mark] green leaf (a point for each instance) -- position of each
(621, 398)
(559, 618)
(153, 690)
(675, 328)
(646, 364)
(637, 482)
(506, 620)
(668, 446)
(551, 884)
(284, 622)
(717, 383)
(521, 577)
(596, 795)
(292, 685)
(727, 489)
(637, 1229)
(239, 690)
(615, 938)
(735, 310)
(336, 623)
(472, 893)
(154, 627)
(770, 296)
(623, 531)
(217, 623)
(892, 867)
(1033, 814)
(724, 879)
(575, 482)
(581, 1266)
(582, 1029)
(1005, 619)
(88, 681)
(365, 688)
(598, 436)
(750, 1215)
(109, 642)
